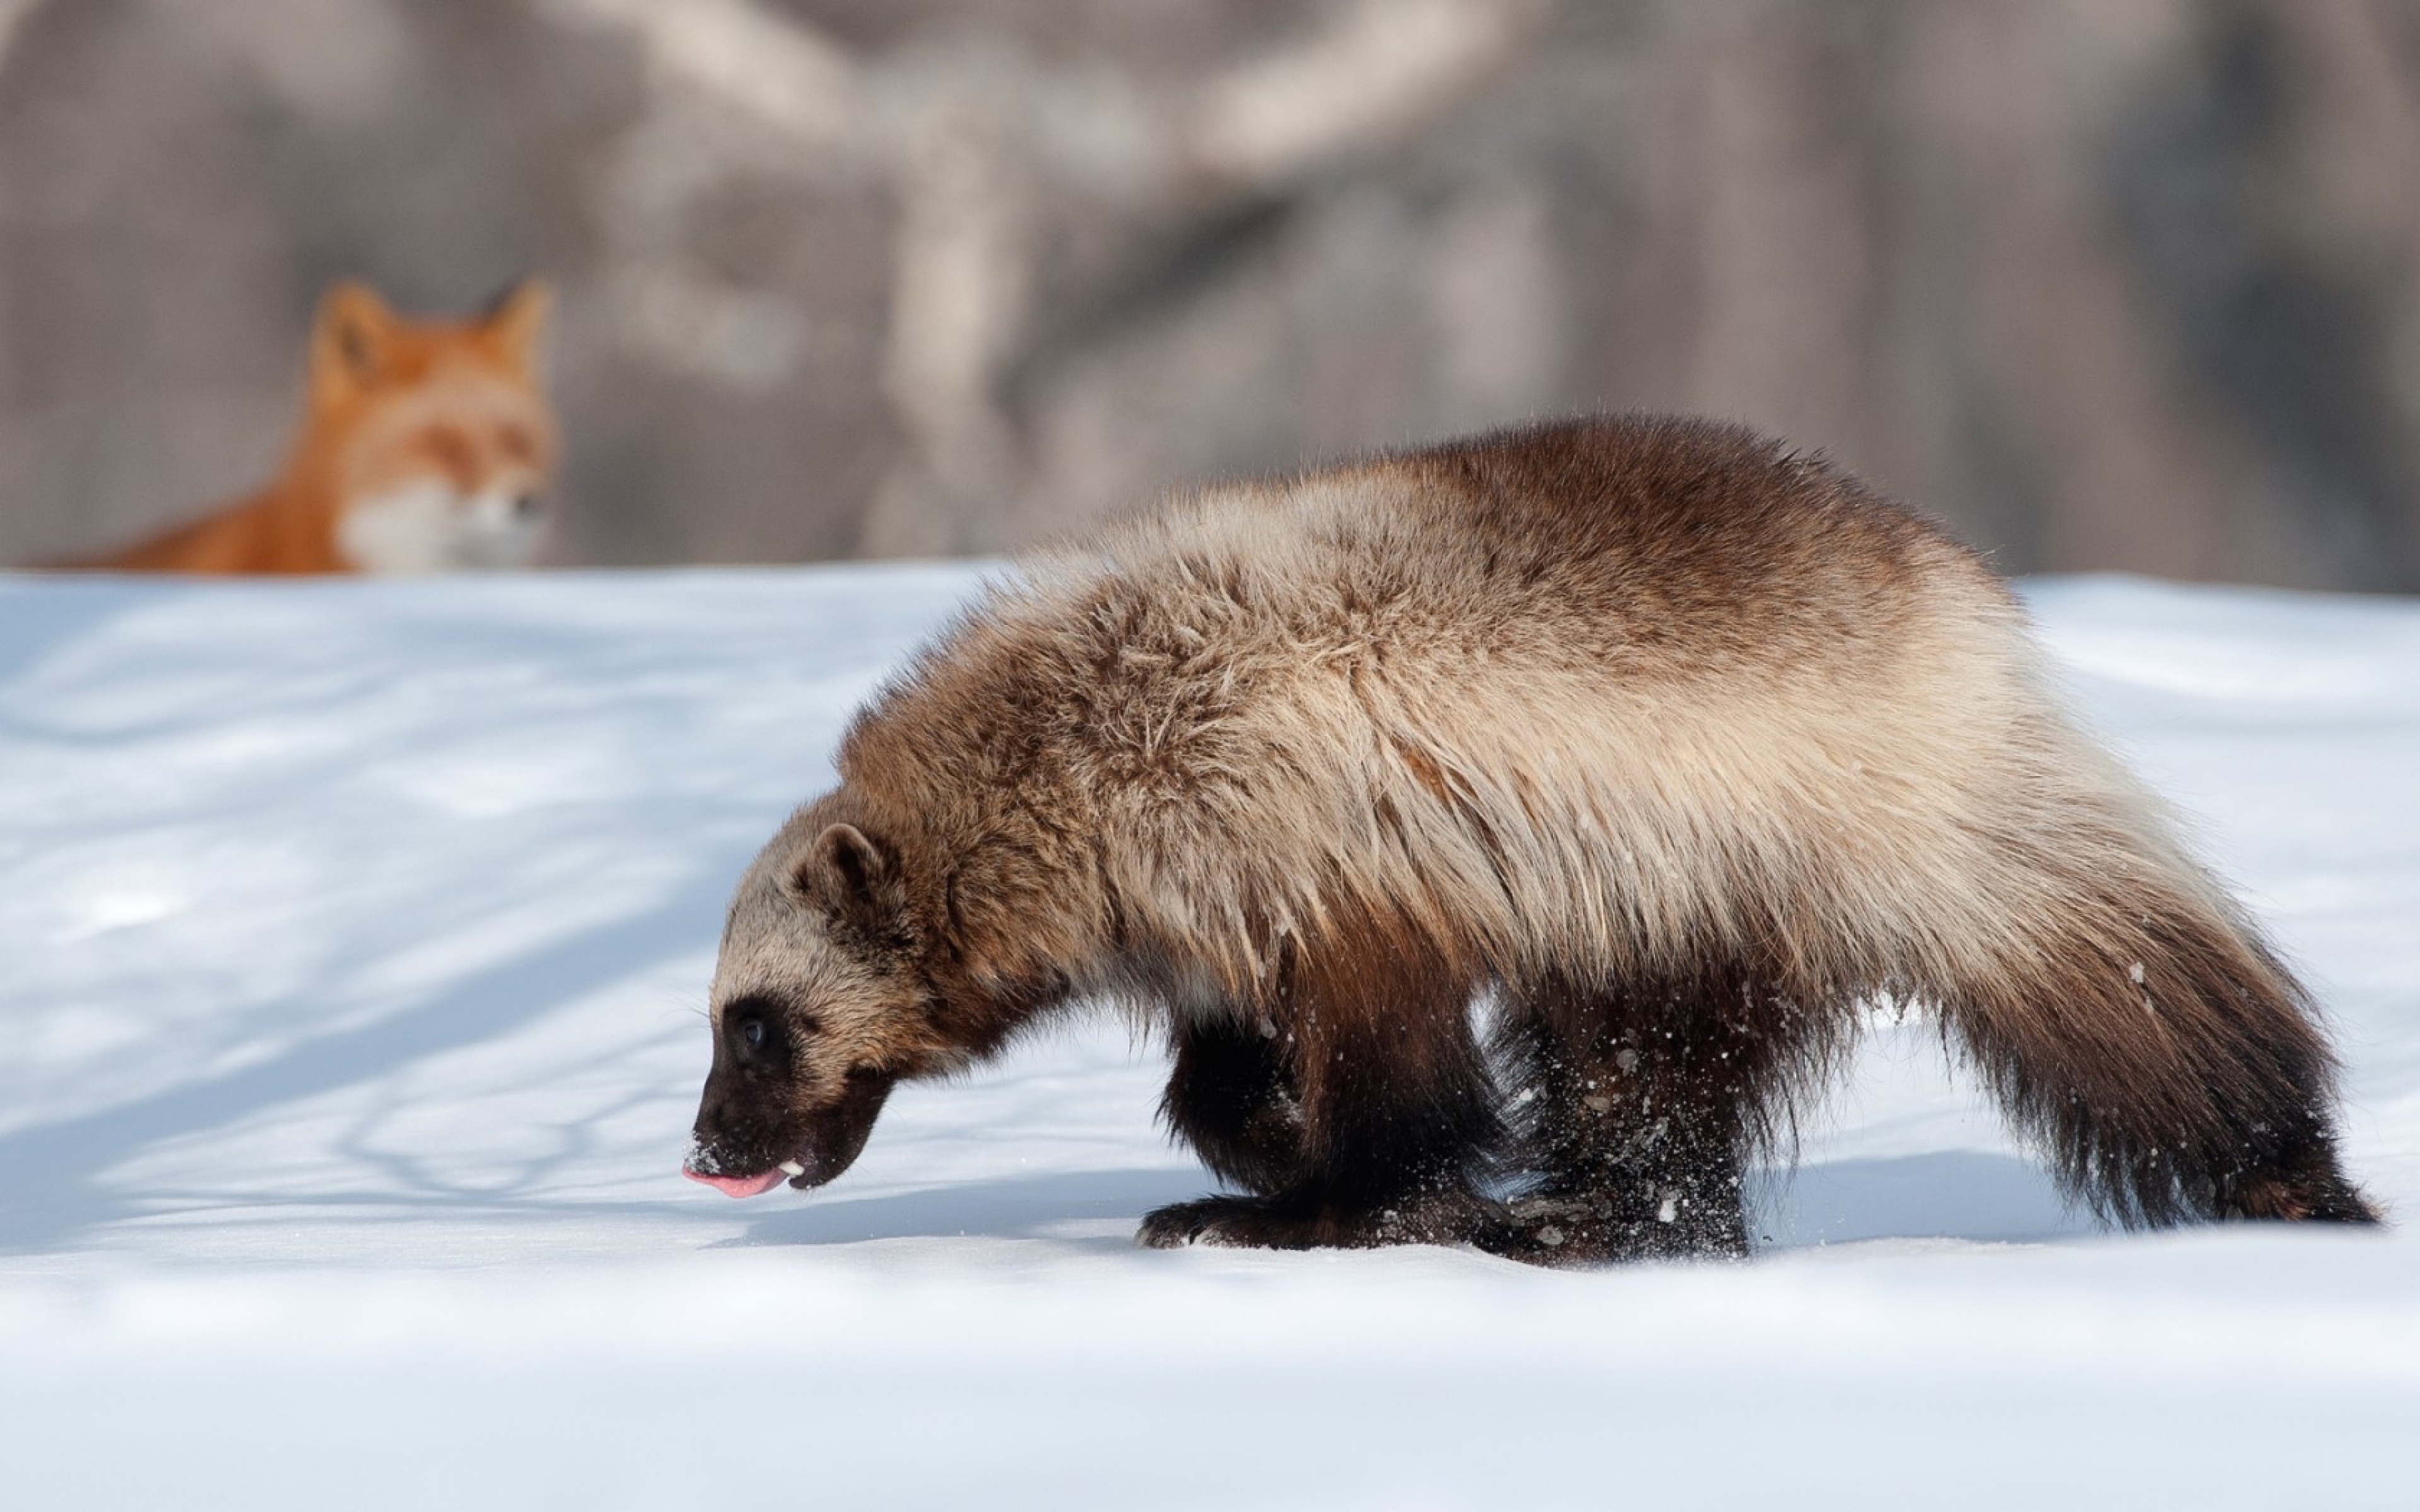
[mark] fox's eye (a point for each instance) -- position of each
(751, 1033)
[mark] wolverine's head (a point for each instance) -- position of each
(820, 1006)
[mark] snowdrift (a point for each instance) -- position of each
(353, 943)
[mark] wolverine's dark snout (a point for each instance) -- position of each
(747, 1138)
(836, 1137)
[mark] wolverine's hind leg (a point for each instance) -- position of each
(1635, 1107)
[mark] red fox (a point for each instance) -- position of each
(425, 447)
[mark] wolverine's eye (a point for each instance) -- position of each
(751, 1033)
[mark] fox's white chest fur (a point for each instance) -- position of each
(429, 526)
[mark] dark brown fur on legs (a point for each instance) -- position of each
(1635, 1109)
(1364, 1115)
(1231, 1100)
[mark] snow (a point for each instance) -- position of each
(353, 939)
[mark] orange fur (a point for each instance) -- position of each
(425, 446)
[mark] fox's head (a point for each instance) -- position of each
(435, 436)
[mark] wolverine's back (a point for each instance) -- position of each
(1583, 688)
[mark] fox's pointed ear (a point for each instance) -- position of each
(517, 320)
(351, 341)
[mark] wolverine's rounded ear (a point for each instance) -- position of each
(352, 340)
(517, 319)
(849, 874)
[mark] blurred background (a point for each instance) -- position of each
(2123, 283)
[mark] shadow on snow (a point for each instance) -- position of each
(1966, 1196)
(48, 1189)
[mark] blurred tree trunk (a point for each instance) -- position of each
(2109, 286)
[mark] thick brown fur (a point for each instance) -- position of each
(1682, 748)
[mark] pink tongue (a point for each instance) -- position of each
(738, 1186)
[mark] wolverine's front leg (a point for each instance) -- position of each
(1231, 1098)
(1386, 1110)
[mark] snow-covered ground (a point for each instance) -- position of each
(353, 939)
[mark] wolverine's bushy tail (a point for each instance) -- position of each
(2140, 1030)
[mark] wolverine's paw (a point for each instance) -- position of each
(1555, 1233)
(1209, 1221)
(1561, 1230)
(1298, 1222)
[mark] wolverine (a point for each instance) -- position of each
(1508, 837)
